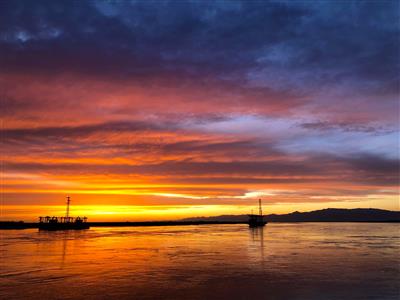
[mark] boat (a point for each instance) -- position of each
(63, 223)
(257, 220)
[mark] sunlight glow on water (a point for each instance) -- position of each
(281, 261)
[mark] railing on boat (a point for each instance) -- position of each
(53, 219)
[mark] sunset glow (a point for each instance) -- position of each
(139, 114)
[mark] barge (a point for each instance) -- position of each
(63, 223)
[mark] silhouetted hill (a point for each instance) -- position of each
(324, 215)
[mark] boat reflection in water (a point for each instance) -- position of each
(63, 223)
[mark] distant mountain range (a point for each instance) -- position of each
(324, 215)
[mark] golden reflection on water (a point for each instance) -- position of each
(257, 235)
(336, 261)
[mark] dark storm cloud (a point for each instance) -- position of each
(174, 168)
(242, 146)
(129, 139)
(43, 133)
(375, 164)
(358, 168)
(252, 42)
(142, 40)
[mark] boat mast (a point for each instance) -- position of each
(67, 213)
(259, 207)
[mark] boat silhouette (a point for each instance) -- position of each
(257, 220)
(63, 223)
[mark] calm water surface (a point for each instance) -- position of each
(281, 261)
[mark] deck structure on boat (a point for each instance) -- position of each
(63, 223)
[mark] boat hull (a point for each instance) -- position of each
(63, 226)
(256, 221)
(257, 224)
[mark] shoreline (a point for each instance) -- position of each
(9, 225)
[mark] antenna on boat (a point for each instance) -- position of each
(67, 213)
(259, 207)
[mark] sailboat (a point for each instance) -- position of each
(257, 220)
(63, 223)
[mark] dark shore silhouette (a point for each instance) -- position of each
(26, 225)
(324, 215)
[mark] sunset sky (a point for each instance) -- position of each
(150, 110)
